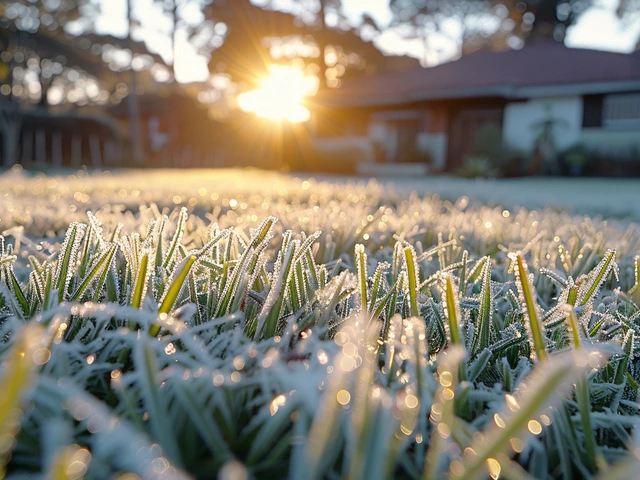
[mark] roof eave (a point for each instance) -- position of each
(591, 88)
(503, 91)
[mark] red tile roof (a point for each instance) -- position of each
(540, 66)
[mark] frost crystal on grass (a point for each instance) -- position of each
(239, 344)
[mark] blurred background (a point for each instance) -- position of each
(377, 87)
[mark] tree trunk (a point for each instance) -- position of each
(41, 146)
(137, 151)
(44, 88)
(174, 50)
(27, 147)
(10, 138)
(109, 152)
(322, 44)
(56, 149)
(95, 150)
(546, 19)
(76, 151)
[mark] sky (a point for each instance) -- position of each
(598, 28)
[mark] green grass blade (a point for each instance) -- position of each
(16, 379)
(530, 307)
(623, 365)
(414, 281)
(634, 292)
(377, 285)
(100, 266)
(361, 262)
(519, 420)
(85, 258)
(481, 339)
(463, 273)
(67, 258)
(584, 407)
(69, 462)
(158, 241)
(177, 237)
(572, 324)
(154, 403)
(140, 283)
(452, 311)
(16, 289)
(477, 269)
(173, 291)
(596, 278)
(270, 313)
(264, 231)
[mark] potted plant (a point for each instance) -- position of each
(576, 158)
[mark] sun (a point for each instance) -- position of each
(281, 95)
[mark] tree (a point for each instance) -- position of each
(313, 13)
(43, 65)
(199, 33)
(33, 57)
(551, 18)
(456, 20)
(258, 36)
(137, 152)
(497, 24)
(630, 9)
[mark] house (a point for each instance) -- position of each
(587, 97)
(67, 138)
(175, 129)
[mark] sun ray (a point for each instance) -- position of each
(281, 95)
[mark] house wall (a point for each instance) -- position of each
(351, 149)
(341, 137)
(435, 140)
(387, 139)
(432, 141)
(617, 142)
(435, 145)
(521, 119)
(612, 125)
(382, 136)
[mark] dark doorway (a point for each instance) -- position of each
(465, 124)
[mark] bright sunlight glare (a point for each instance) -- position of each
(281, 95)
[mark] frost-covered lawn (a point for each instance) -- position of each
(46, 203)
(249, 324)
(611, 197)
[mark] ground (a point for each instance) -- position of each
(51, 200)
(251, 324)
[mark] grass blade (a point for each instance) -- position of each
(518, 420)
(414, 281)
(99, 268)
(16, 379)
(180, 275)
(596, 278)
(481, 340)
(140, 282)
(361, 262)
(530, 307)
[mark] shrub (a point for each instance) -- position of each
(487, 142)
(476, 166)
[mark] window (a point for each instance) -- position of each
(592, 113)
(621, 110)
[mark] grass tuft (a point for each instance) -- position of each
(222, 341)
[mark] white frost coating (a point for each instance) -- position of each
(221, 385)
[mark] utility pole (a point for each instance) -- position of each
(137, 151)
(322, 43)
(174, 33)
